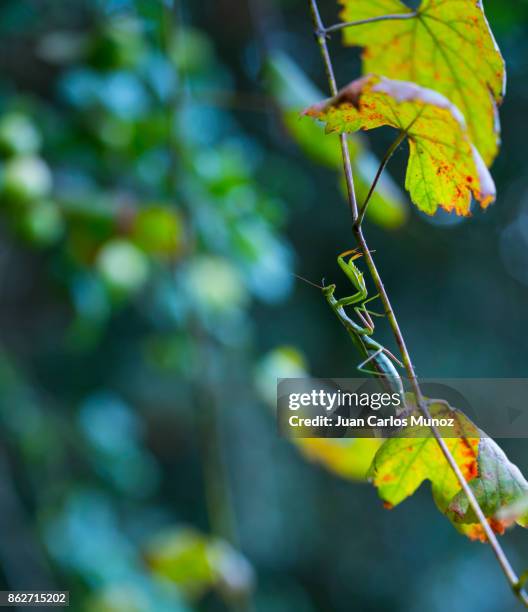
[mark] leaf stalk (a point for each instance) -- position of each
(349, 24)
(390, 152)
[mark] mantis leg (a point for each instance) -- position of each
(370, 299)
(363, 313)
(392, 356)
(353, 327)
(379, 351)
(374, 297)
(353, 299)
(361, 367)
(366, 319)
(374, 314)
(385, 351)
(355, 276)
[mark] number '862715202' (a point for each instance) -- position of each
(21, 598)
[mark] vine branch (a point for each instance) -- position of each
(348, 24)
(357, 217)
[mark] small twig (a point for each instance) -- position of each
(503, 561)
(349, 24)
(384, 162)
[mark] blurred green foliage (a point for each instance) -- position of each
(151, 224)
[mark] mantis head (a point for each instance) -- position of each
(328, 290)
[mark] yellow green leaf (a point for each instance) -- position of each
(498, 486)
(158, 230)
(347, 457)
(446, 45)
(181, 556)
(404, 462)
(196, 562)
(444, 169)
(516, 511)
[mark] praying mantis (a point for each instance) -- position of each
(361, 333)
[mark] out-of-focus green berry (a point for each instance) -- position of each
(215, 284)
(191, 51)
(281, 362)
(25, 179)
(158, 230)
(42, 223)
(114, 132)
(196, 562)
(122, 266)
(18, 135)
(119, 597)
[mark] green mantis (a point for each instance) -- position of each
(361, 333)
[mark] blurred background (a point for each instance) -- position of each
(157, 193)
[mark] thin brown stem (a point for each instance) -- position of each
(349, 24)
(332, 83)
(503, 561)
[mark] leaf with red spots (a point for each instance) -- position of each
(475, 531)
(404, 462)
(499, 486)
(446, 45)
(444, 168)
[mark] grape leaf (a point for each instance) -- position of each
(444, 169)
(347, 457)
(515, 511)
(404, 462)
(499, 484)
(446, 45)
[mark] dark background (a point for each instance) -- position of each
(147, 304)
